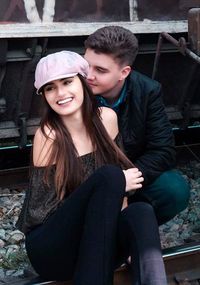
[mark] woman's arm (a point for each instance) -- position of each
(133, 176)
(110, 122)
(42, 147)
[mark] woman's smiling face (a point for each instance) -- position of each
(65, 96)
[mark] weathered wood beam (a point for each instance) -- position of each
(83, 29)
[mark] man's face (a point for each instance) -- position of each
(106, 76)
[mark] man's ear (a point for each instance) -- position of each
(125, 72)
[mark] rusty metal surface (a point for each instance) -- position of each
(191, 83)
(181, 47)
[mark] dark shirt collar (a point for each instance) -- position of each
(115, 106)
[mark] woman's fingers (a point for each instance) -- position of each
(133, 178)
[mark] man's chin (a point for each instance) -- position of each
(92, 87)
(94, 91)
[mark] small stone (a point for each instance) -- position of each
(16, 237)
(2, 243)
(2, 234)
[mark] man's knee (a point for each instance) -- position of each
(168, 194)
(173, 195)
(176, 189)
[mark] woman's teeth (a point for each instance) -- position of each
(64, 101)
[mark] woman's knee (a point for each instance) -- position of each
(112, 176)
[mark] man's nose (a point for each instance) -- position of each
(91, 74)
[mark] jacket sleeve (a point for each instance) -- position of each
(159, 154)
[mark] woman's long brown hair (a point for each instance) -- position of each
(68, 173)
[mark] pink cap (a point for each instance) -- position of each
(59, 65)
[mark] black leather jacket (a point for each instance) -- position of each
(145, 128)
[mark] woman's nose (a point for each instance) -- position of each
(61, 90)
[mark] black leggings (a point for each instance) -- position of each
(138, 237)
(88, 234)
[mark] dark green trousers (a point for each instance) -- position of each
(168, 194)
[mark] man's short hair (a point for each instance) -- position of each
(116, 41)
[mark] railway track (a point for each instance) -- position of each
(18, 176)
(14, 170)
(182, 266)
(14, 177)
(13, 161)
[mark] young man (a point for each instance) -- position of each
(144, 126)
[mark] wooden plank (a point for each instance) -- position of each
(84, 29)
(182, 263)
(8, 129)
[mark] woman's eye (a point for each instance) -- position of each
(48, 88)
(67, 82)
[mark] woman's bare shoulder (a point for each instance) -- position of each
(109, 119)
(42, 145)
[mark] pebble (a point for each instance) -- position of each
(185, 227)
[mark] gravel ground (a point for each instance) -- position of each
(184, 228)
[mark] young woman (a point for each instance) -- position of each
(74, 219)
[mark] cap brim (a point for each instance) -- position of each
(56, 78)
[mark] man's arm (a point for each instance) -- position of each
(159, 154)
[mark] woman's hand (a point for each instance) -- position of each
(133, 178)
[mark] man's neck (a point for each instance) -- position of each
(111, 96)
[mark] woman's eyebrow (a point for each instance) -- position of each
(67, 78)
(62, 79)
(47, 84)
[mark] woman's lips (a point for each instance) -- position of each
(64, 101)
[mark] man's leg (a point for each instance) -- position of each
(168, 194)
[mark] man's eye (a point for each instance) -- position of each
(100, 70)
